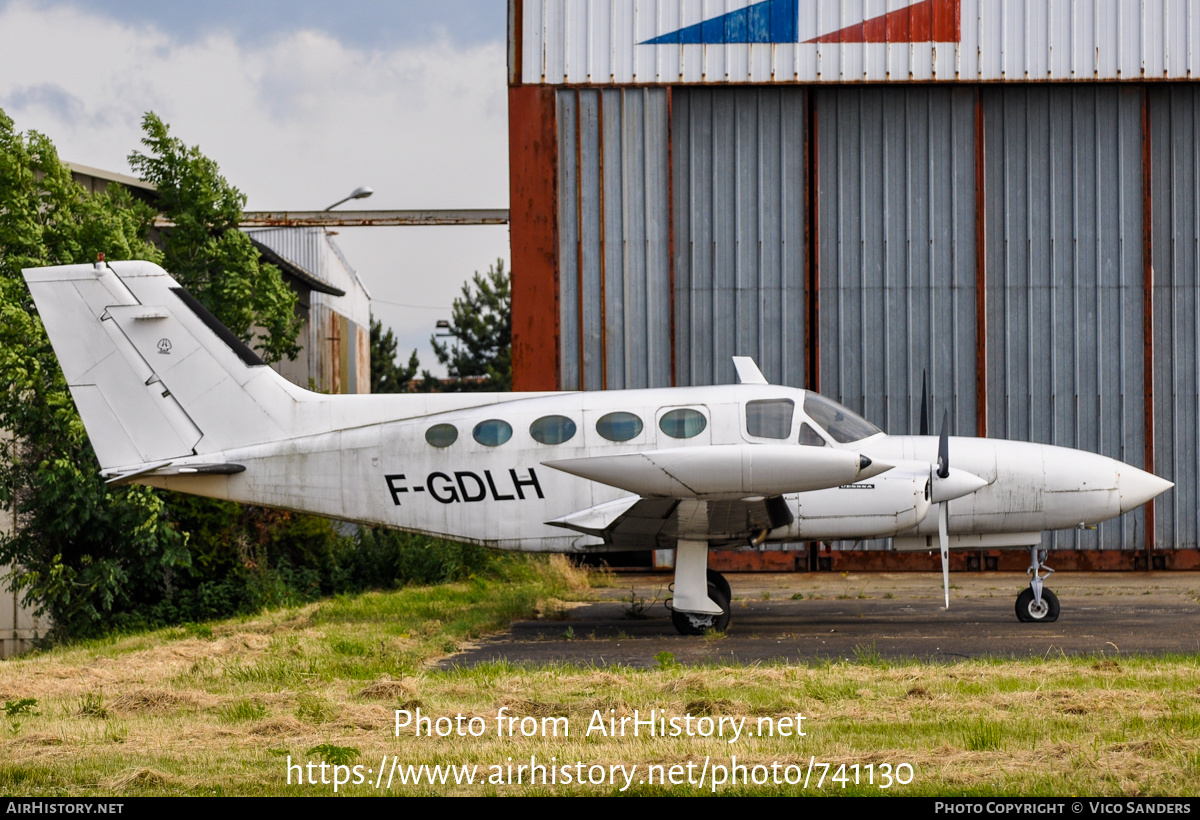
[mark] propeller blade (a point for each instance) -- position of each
(944, 540)
(943, 469)
(924, 406)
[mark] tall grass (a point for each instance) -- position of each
(220, 708)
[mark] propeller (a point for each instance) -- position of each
(924, 406)
(943, 471)
(945, 484)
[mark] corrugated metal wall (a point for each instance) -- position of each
(335, 358)
(896, 196)
(614, 239)
(1055, 179)
(19, 630)
(607, 41)
(1175, 206)
(739, 162)
(1064, 276)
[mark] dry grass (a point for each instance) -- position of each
(170, 713)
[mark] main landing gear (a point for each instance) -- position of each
(702, 596)
(1037, 604)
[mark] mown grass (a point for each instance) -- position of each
(220, 708)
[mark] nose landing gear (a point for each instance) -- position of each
(1037, 604)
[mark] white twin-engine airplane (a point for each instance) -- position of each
(172, 399)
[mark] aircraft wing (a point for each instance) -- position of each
(652, 523)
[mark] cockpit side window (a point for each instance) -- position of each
(770, 418)
(810, 437)
(842, 424)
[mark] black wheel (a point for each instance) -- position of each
(1029, 612)
(687, 623)
(717, 578)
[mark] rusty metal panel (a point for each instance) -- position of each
(740, 260)
(533, 162)
(896, 171)
(1063, 251)
(1175, 181)
(627, 42)
(330, 347)
(364, 219)
(349, 344)
(614, 239)
(362, 359)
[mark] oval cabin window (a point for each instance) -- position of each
(442, 435)
(619, 426)
(552, 430)
(492, 433)
(683, 423)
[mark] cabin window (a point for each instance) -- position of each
(552, 430)
(442, 435)
(683, 423)
(492, 433)
(619, 426)
(842, 424)
(810, 436)
(770, 418)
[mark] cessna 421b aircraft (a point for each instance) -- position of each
(172, 399)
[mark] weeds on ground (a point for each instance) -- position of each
(190, 714)
(636, 607)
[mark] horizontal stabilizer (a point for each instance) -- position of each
(171, 469)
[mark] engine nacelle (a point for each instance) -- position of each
(876, 508)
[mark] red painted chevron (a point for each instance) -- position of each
(929, 21)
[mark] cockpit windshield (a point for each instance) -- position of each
(843, 425)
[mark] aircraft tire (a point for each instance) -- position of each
(721, 583)
(686, 624)
(1028, 612)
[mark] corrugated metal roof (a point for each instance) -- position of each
(788, 41)
(292, 269)
(109, 176)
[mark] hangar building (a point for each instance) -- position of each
(1004, 194)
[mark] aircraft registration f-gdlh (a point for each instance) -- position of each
(172, 399)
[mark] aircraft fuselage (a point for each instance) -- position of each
(498, 495)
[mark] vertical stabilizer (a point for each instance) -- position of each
(154, 375)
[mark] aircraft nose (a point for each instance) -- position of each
(1138, 486)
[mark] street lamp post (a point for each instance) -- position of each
(361, 192)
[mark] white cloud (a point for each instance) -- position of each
(295, 121)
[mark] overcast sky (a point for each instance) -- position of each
(299, 102)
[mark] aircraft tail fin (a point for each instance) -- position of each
(154, 375)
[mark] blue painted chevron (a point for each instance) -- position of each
(771, 21)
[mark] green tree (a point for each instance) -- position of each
(81, 551)
(387, 375)
(480, 357)
(206, 252)
(97, 557)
